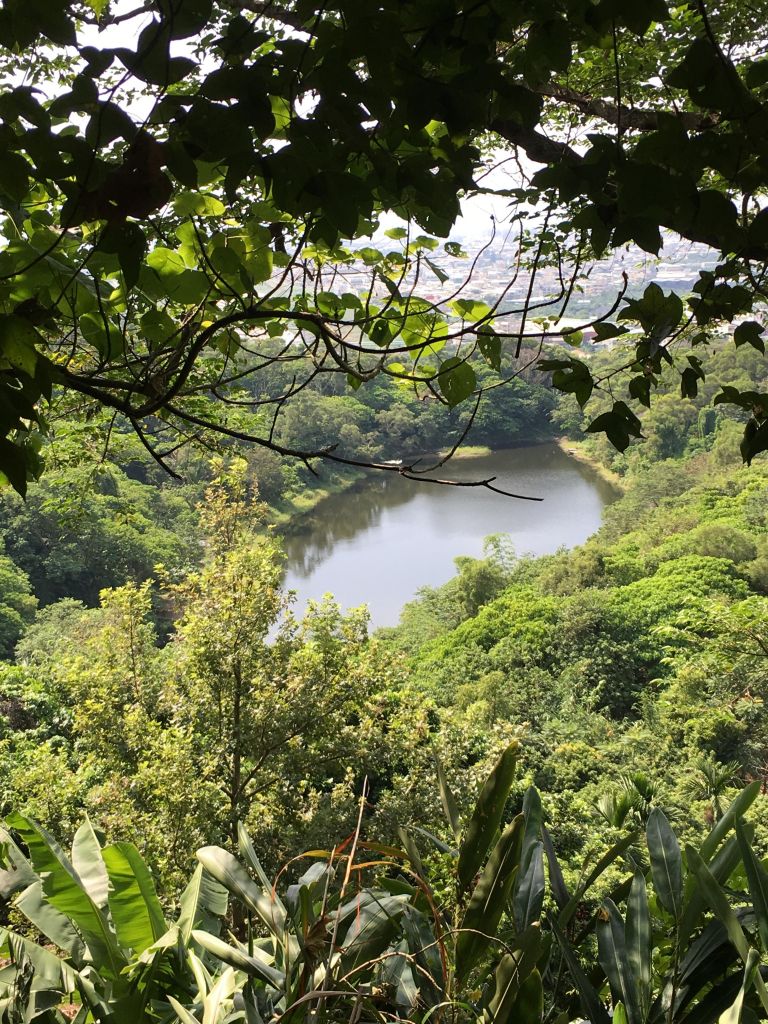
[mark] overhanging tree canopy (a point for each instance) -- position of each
(187, 187)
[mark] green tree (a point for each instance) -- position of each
(81, 531)
(17, 604)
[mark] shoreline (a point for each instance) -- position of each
(470, 451)
(291, 516)
(577, 450)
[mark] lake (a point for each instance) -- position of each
(378, 543)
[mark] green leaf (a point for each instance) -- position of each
(637, 934)
(197, 204)
(506, 986)
(659, 314)
(733, 1014)
(533, 818)
(203, 903)
(18, 340)
(439, 274)
(65, 891)
(227, 870)
(489, 898)
(152, 62)
(754, 440)
(748, 333)
(369, 256)
(604, 331)
(508, 998)
(456, 380)
(182, 1013)
(573, 338)
(612, 953)
(640, 388)
(757, 879)
(717, 901)
(600, 867)
(690, 377)
(455, 249)
(245, 847)
(489, 344)
(185, 286)
(129, 243)
(529, 891)
(666, 863)
(591, 1003)
(735, 810)
(449, 803)
(556, 881)
(13, 461)
(722, 866)
(529, 1005)
(571, 376)
(166, 262)
(251, 965)
(14, 176)
(548, 46)
(486, 817)
(259, 263)
(374, 925)
(133, 903)
(471, 309)
(88, 862)
(436, 842)
(619, 425)
(157, 327)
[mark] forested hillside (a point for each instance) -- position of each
(164, 652)
(234, 280)
(175, 704)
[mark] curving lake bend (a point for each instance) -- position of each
(378, 543)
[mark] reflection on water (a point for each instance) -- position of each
(382, 541)
(341, 517)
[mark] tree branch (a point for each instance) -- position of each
(620, 114)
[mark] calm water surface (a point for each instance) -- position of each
(382, 541)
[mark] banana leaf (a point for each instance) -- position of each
(88, 863)
(136, 912)
(488, 900)
(51, 922)
(203, 904)
(486, 817)
(64, 890)
(666, 862)
(227, 870)
(253, 966)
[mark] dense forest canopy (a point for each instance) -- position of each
(540, 766)
(190, 188)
